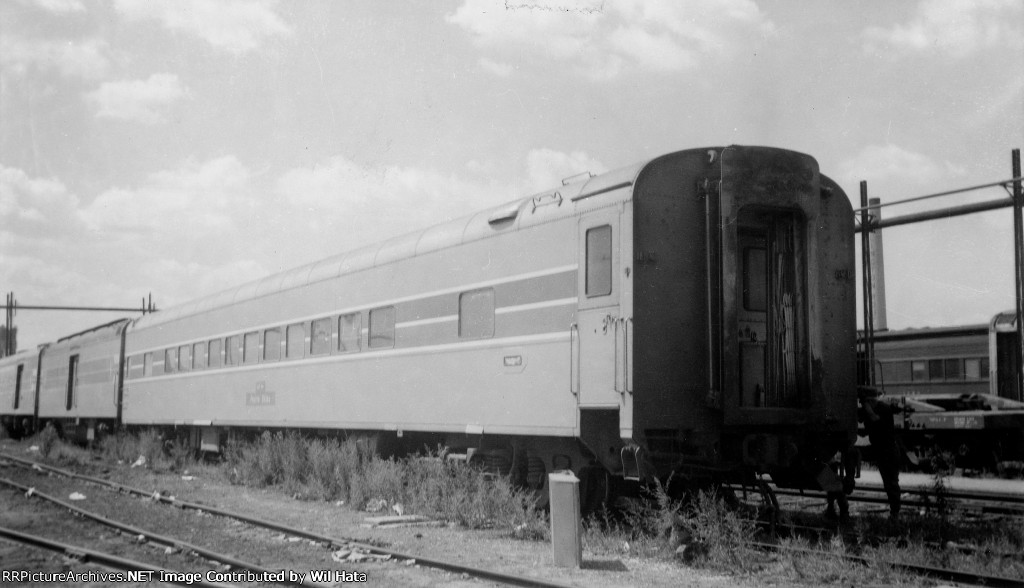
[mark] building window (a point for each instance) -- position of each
(954, 369)
(321, 340)
(214, 348)
(599, 261)
(296, 343)
(895, 371)
(251, 351)
(476, 314)
(935, 369)
(231, 350)
(185, 358)
(170, 360)
(271, 344)
(382, 327)
(350, 332)
(919, 370)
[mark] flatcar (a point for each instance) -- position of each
(689, 314)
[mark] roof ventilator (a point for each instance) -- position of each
(544, 200)
(577, 178)
(505, 214)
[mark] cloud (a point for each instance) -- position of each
(546, 168)
(502, 70)
(600, 40)
(138, 100)
(60, 7)
(31, 208)
(882, 162)
(955, 27)
(73, 59)
(236, 26)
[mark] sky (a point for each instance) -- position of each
(183, 147)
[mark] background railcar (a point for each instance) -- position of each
(693, 311)
(80, 381)
(18, 380)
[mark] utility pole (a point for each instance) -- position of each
(1018, 271)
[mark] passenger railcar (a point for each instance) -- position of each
(80, 381)
(18, 380)
(694, 312)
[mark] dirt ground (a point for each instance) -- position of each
(489, 549)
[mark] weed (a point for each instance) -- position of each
(47, 440)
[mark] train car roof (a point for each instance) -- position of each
(512, 215)
(94, 329)
(928, 333)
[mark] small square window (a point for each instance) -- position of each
(350, 332)
(170, 360)
(321, 340)
(199, 355)
(271, 344)
(232, 350)
(215, 346)
(599, 261)
(476, 314)
(296, 343)
(382, 327)
(251, 349)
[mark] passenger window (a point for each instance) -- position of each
(382, 327)
(17, 385)
(171, 360)
(72, 382)
(295, 345)
(476, 314)
(147, 365)
(755, 279)
(184, 358)
(231, 350)
(599, 261)
(934, 369)
(199, 355)
(350, 332)
(214, 347)
(271, 344)
(251, 352)
(321, 343)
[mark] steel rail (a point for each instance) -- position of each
(926, 501)
(162, 539)
(944, 573)
(105, 559)
(334, 541)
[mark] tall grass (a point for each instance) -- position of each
(350, 470)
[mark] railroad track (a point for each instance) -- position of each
(333, 542)
(987, 503)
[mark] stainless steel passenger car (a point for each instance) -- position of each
(80, 381)
(691, 312)
(18, 379)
